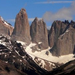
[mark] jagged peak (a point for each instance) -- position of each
(36, 19)
(22, 10)
(41, 20)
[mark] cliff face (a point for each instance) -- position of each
(65, 43)
(57, 28)
(21, 30)
(39, 33)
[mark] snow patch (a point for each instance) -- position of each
(3, 43)
(23, 57)
(9, 52)
(64, 33)
(49, 57)
(14, 56)
(28, 48)
(43, 63)
(38, 49)
(67, 30)
(23, 43)
(20, 60)
(6, 23)
(39, 42)
(6, 61)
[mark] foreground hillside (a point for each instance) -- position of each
(67, 69)
(13, 54)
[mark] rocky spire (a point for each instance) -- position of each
(63, 39)
(39, 33)
(21, 30)
(57, 28)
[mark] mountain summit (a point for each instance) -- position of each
(39, 33)
(21, 30)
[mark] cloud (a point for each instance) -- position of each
(11, 20)
(50, 2)
(62, 14)
(48, 27)
(29, 19)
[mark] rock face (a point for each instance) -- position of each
(21, 30)
(56, 30)
(5, 28)
(65, 42)
(39, 33)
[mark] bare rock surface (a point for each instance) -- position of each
(21, 30)
(39, 33)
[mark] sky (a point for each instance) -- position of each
(49, 10)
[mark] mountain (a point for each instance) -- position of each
(39, 34)
(57, 28)
(21, 30)
(65, 39)
(5, 28)
(34, 50)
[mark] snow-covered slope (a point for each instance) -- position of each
(45, 54)
(44, 58)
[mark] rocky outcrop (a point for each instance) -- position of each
(65, 42)
(5, 28)
(39, 33)
(21, 30)
(57, 28)
(47, 65)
